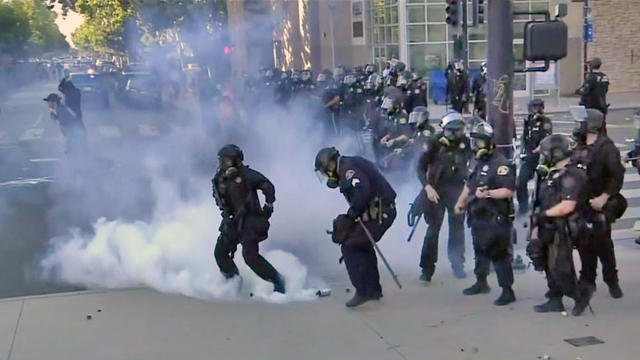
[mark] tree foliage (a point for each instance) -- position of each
(105, 24)
(28, 28)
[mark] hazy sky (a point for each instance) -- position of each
(69, 24)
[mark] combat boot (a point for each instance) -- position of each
(278, 285)
(357, 300)
(582, 302)
(480, 287)
(615, 290)
(554, 304)
(507, 297)
(425, 276)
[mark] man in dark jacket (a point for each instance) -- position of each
(72, 96)
(70, 124)
(243, 220)
(371, 204)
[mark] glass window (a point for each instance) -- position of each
(416, 14)
(417, 33)
(518, 30)
(478, 33)
(519, 82)
(428, 57)
(518, 56)
(358, 30)
(387, 32)
(394, 51)
(393, 15)
(436, 13)
(395, 34)
(436, 1)
(437, 32)
(524, 7)
(478, 50)
(540, 6)
(356, 8)
(416, 1)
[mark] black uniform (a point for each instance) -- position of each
(372, 199)
(243, 221)
(72, 128)
(457, 89)
(605, 175)
(445, 168)
(479, 96)
(558, 236)
(490, 219)
(594, 91)
(536, 128)
(416, 95)
(353, 107)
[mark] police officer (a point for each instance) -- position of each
(597, 152)
(354, 103)
(594, 90)
(536, 127)
(371, 204)
(442, 171)
(394, 128)
(479, 93)
(487, 196)
(560, 224)
(458, 86)
(244, 222)
(416, 94)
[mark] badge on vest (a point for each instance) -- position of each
(503, 170)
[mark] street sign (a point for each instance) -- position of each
(589, 32)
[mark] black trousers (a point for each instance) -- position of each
(249, 237)
(560, 270)
(434, 218)
(492, 244)
(360, 257)
(598, 246)
(527, 171)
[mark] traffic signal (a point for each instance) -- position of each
(452, 12)
(481, 11)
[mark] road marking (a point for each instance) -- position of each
(148, 130)
(110, 131)
(42, 160)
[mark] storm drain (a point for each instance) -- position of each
(584, 341)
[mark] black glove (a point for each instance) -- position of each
(414, 214)
(343, 225)
(267, 210)
(537, 256)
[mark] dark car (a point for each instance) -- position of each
(92, 89)
(143, 90)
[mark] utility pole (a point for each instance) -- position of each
(332, 8)
(501, 63)
(465, 37)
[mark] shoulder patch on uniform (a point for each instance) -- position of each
(349, 174)
(503, 170)
(485, 168)
(402, 120)
(238, 180)
(462, 145)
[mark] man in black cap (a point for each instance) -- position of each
(71, 125)
(371, 205)
(72, 96)
(594, 91)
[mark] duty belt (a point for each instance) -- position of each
(376, 210)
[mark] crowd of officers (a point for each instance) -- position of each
(462, 173)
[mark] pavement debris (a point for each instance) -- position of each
(89, 317)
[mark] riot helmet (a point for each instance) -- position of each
(392, 101)
(536, 106)
(338, 73)
(305, 75)
(404, 80)
(482, 139)
(230, 157)
(452, 125)
(553, 149)
(587, 121)
(483, 68)
(369, 69)
(326, 166)
(350, 79)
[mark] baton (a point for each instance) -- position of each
(413, 230)
(375, 246)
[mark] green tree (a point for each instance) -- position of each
(15, 30)
(104, 26)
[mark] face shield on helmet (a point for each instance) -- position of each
(536, 106)
(483, 68)
(322, 77)
(305, 76)
(326, 166)
(387, 105)
(553, 149)
(369, 69)
(482, 139)
(452, 126)
(338, 73)
(349, 79)
(419, 116)
(580, 129)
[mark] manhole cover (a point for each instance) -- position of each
(584, 341)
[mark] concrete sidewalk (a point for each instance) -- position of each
(617, 101)
(418, 322)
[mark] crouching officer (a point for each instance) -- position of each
(536, 127)
(372, 204)
(560, 224)
(243, 220)
(442, 170)
(487, 196)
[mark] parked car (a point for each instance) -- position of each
(92, 88)
(142, 90)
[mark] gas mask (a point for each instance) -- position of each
(481, 146)
(451, 135)
(330, 178)
(545, 167)
(387, 106)
(228, 166)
